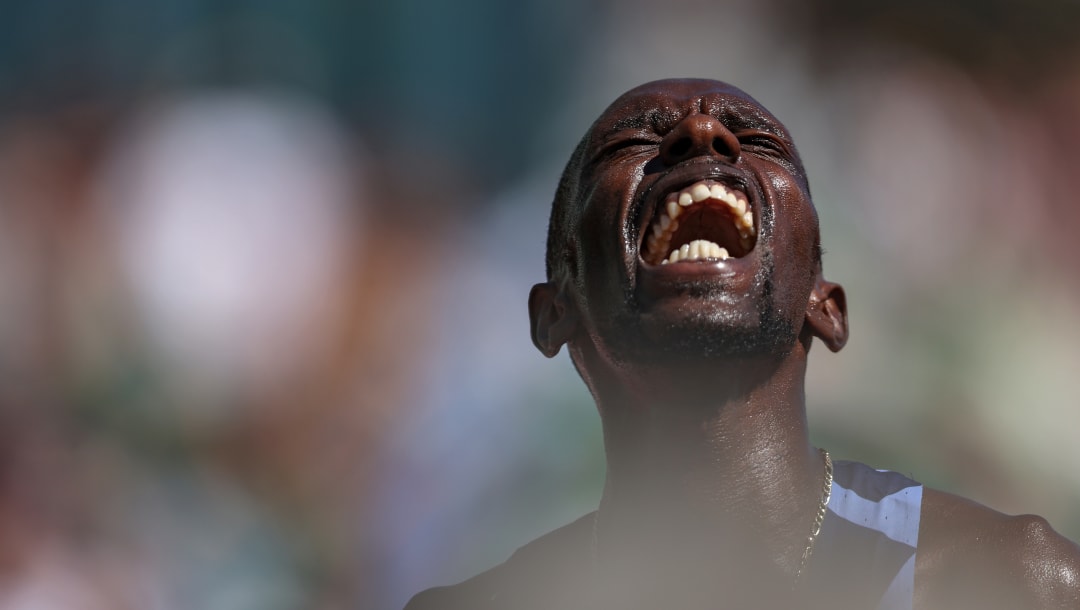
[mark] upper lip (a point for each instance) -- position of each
(682, 176)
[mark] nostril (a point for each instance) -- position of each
(721, 146)
(680, 147)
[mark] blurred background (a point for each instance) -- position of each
(264, 266)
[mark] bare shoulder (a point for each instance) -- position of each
(476, 593)
(546, 572)
(971, 556)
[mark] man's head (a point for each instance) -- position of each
(683, 228)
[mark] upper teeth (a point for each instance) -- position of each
(665, 225)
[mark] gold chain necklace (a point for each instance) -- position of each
(819, 518)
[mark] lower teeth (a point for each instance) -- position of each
(699, 249)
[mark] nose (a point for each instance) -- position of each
(699, 135)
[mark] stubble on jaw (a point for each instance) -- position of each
(706, 332)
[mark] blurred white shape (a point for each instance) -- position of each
(234, 216)
(1022, 376)
(939, 167)
(59, 580)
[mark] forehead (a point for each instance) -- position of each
(660, 104)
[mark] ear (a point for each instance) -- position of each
(552, 316)
(826, 313)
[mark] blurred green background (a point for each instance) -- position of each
(263, 270)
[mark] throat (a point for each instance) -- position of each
(756, 509)
(706, 467)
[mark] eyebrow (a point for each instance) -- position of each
(737, 114)
(743, 114)
(649, 119)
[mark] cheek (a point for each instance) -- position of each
(598, 236)
(604, 225)
(795, 230)
(795, 221)
(601, 254)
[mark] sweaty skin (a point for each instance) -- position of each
(697, 367)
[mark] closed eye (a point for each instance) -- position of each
(625, 142)
(765, 144)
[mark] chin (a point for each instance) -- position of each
(693, 334)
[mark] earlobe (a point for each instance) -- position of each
(552, 317)
(826, 313)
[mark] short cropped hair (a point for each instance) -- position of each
(565, 211)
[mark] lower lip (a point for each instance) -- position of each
(683, 280)
(726, 267)
(674, 275)
(733, 275)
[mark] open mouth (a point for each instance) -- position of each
(706, 221)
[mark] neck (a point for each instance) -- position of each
(709, 463)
